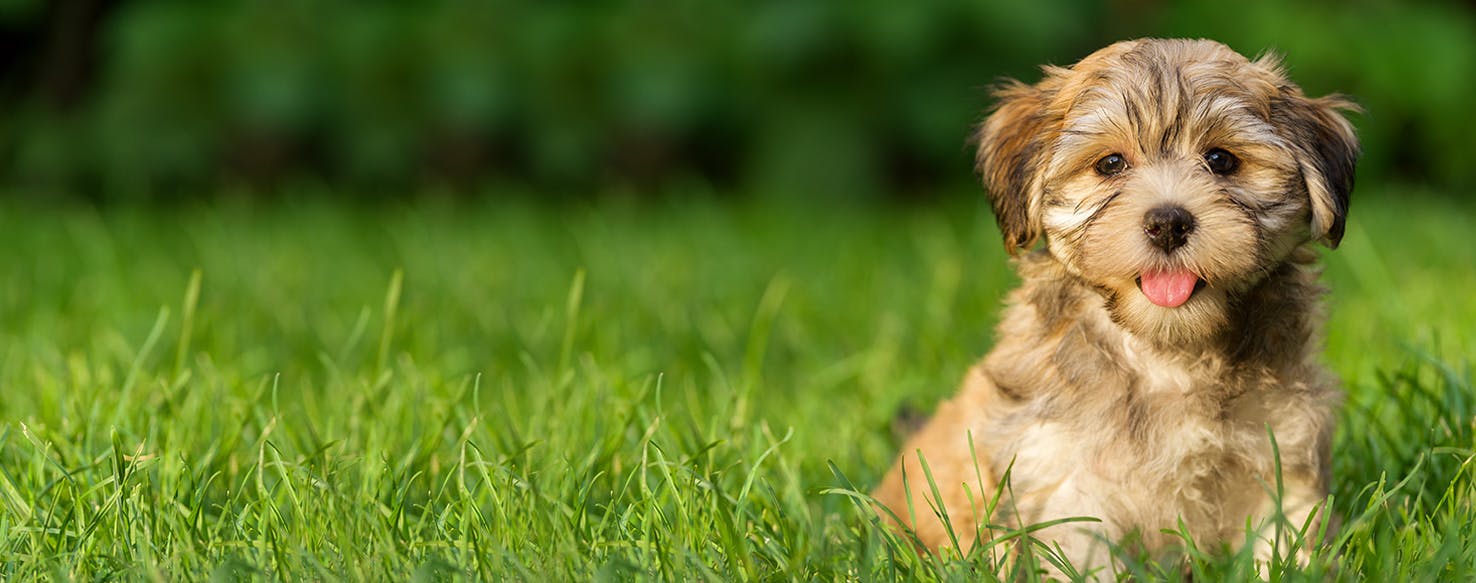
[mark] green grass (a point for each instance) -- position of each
(681, 390)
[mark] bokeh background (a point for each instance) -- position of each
(832, 100)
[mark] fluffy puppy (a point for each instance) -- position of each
(1170, 320)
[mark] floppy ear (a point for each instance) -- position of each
(1327, 150)
(1012, 152)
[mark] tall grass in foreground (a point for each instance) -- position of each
(682, 391)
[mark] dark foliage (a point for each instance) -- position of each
(805, 98)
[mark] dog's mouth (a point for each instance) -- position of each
(1171, 288)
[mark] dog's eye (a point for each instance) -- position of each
(1111, 164)
(1220, 161)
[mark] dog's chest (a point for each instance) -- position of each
(1173, 423)
(1162, 446)
(1156, 375)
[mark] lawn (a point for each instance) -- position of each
(682, 390)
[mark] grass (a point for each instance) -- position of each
(683, 390)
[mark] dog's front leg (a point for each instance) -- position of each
(960, 469)
(1295, 525)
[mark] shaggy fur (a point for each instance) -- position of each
(1100, 402)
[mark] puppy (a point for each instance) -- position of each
(1168, 327)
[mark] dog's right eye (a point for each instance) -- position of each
(1221, 162)
(1111, 164)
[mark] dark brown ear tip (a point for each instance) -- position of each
(1334, 235)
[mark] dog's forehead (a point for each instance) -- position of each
(1171, 51)
(1166, 92)
(1168, 74)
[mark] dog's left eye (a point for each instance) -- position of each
(1220, 161)
(1111, 165)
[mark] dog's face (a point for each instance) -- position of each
(1171, 175)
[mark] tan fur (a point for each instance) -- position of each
(1099, 402)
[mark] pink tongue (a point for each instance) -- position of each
(1169, 289)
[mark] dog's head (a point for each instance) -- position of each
(1172, 175)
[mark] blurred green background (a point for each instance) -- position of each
(859, 99)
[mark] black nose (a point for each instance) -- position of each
(1168, 227)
